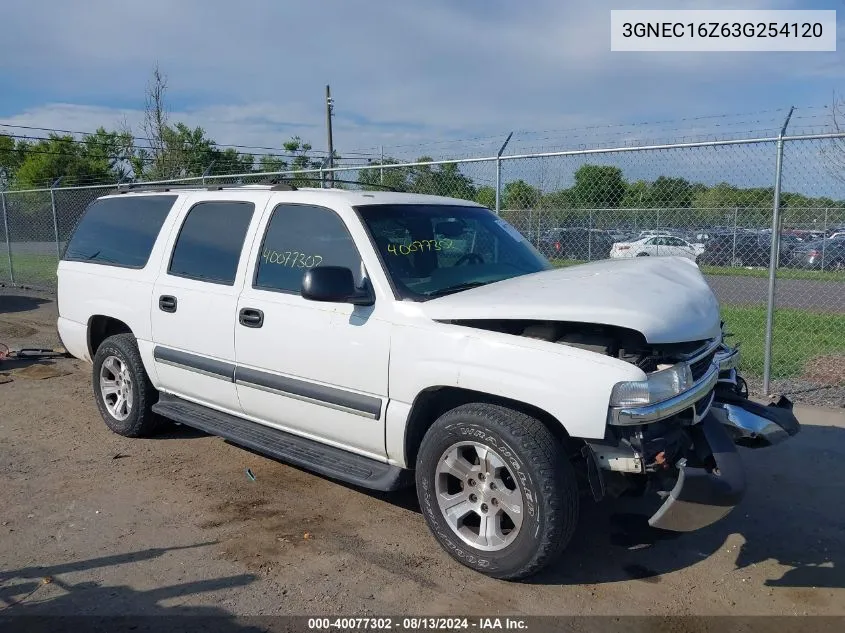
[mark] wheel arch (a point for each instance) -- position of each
(100, 327)
(432, 402)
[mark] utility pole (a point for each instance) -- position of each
(329, 109)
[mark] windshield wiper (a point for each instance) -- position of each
(456, 288)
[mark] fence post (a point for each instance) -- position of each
(207, 171)
(8, 241)
(824, 239)
(499, 174)
(590, 237)
(55, 217)
(773, 259)
(733, 252)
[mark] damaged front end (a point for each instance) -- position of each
(683, 447)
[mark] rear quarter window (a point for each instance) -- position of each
(119, 231)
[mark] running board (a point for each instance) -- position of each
(315, 456)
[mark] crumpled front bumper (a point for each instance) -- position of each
(692, 460)
(702, 496)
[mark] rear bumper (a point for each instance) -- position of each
(74, 338)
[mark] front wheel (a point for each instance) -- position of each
(497, 490)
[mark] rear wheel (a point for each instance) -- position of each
(496, 490)
(642, 254)
(122, 389)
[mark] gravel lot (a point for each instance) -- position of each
(93, 523)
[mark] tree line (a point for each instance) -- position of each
(164, 150)
(172, 150)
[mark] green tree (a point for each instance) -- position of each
(637, 195)
(230, 161)
(518, 194)
(561, 199)
(599, 187)
(12, 153)
(395, 178)
(440, 180)
(272, 163)
(486, 196)
(99, 157)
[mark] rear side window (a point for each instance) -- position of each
(119, 231)
(211, 240)
(299, 237)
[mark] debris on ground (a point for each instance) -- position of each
(5, 378)
(40, 372)
(249, 475)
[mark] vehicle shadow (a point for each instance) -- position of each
(19, 303)
(110, 607)
(792, 514)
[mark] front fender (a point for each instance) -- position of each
(570, 384)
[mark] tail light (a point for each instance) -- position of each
(814, 253)
(557, 246)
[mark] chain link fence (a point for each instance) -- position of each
(709, 202)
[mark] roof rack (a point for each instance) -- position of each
(353, 182)
(275, 184)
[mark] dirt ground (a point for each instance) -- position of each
(92, 523)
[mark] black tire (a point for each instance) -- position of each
(141, 421)
(542, 468)
(642, 255)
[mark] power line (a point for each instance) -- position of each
(280, 151)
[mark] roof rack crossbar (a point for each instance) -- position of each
(275, 185)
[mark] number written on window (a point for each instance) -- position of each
(294, 259)
(419, 245)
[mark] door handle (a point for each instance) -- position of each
(250, 317)
(167, 303)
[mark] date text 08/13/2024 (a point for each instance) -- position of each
(418, 624)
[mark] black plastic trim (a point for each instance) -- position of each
(193, 362)
(331, 396)
(320, 458)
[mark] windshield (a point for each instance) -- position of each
(430, 250)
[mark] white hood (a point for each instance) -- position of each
(665, 298)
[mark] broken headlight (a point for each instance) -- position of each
(660, 385)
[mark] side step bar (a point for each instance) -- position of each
(315, 456)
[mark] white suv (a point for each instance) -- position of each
(390, 339)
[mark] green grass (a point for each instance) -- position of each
(783, 273)
(32, 270)
(798, 336)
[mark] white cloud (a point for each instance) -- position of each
(401, 73)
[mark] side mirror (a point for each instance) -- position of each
(333, 284)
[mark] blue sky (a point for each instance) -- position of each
(415, 77)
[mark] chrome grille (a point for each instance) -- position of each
(700, 366)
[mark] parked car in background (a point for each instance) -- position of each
(826, 254)
(746, 248)
(578, 243)
(657, 246)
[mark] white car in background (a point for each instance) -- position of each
(657, 246)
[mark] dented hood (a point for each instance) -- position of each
(665, 298)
